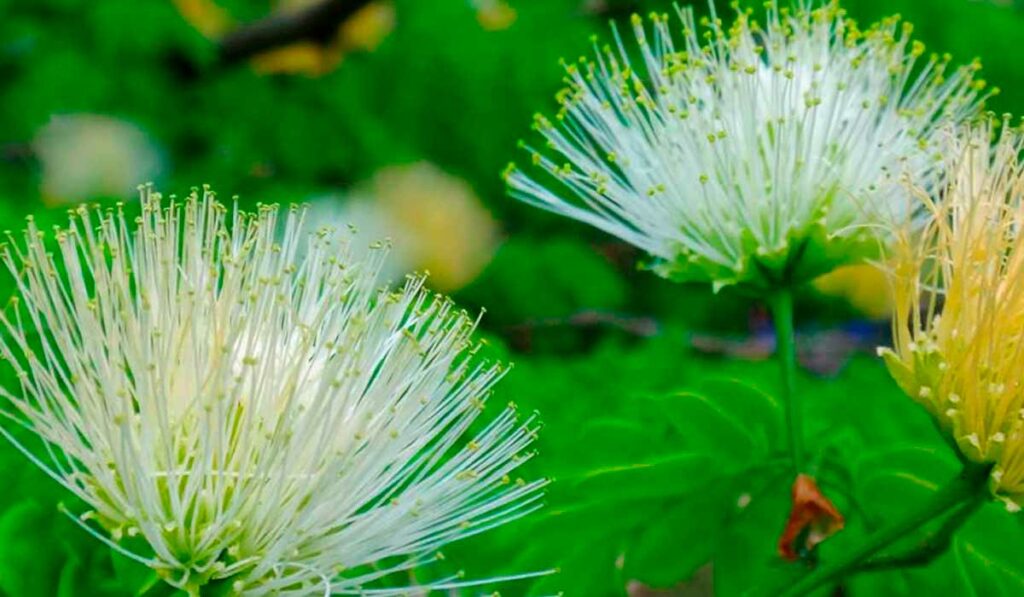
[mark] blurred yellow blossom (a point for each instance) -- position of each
(206, 16)
(434, 221)
(958, 344)
(302, 58)
(863, 286)
(495, 15)
(368, 27)
(363, 31)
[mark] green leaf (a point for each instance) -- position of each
(759, 412)
(69, 579)
(28, 567)
(747, 560)
(708, 427)
(609, 441)
(132, 575)
(891, 480)
(987, 575)
(683, 538)
(988, 549)
(985, 554)
(891, 582)
(586, 568)
(659, 477)
(704, 424)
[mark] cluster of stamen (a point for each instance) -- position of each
(723, 153)
(245, 399)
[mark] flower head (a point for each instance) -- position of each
(756, 156)
(233, 413)
(961, 356)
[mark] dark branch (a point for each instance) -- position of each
(16, 152)
(317, 23)
(643, 327)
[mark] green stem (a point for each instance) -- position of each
(931, 546)
(967, 486)
(781, 304)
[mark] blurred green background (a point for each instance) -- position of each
(401, 121)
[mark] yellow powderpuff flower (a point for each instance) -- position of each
(958, 331)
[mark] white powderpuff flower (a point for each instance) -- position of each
(236, 416)
(757, 155)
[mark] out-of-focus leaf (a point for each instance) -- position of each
(26, 567)
(985, 556)
(608, 441)
(536, 281)
(660, 477)
(891, 480)
(707, 426)
(69, 579)
(759, 411)
(133, 576)
(735, 421)
(747, 559)
(586, 568)
(685, 536)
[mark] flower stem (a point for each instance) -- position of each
(965, 487)
(781, 304)
(933, 545)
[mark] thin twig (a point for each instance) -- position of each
(643, 327)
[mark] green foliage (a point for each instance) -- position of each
(663, 460)
(541, 279)
(657, 482)
(953, 26)
(637, 495)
